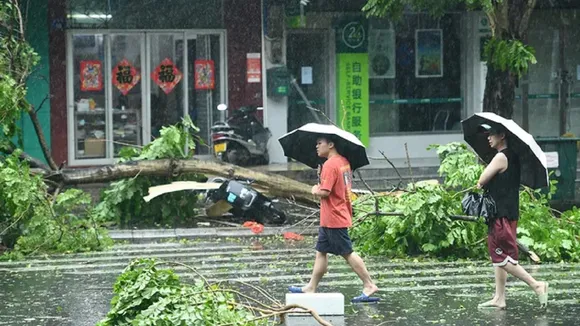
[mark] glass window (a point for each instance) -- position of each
(415, 75)
(203, 102)
(127, 90)
(90, 118)
(558, 56)
(123, 90)
(166, 90)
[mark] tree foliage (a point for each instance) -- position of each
(122, 201)
(427, 229)
(34, 221)
(146, 295)
(17, 58)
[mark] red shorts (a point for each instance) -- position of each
(501, 242)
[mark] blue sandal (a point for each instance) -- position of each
(295, 289)
(363, 298)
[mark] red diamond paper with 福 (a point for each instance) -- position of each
(166, 75)
(125, 76)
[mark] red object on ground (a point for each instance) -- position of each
(248, 224)
(258, 228)
(293, 236)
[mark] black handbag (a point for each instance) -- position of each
(475, 204)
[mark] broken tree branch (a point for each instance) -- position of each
(396, 170)
(409, 163)
(275, 185)
(40, 135)
(34, 163)
(369, 189)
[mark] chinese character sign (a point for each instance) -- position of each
(204, 74)
(166, 75)
(353, 79)
(91, 76)
(125, 76)
(253, 68)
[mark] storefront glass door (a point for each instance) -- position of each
(308, 62)
(123, 87)
(205, 80)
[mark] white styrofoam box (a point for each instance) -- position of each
(325, 304)
(310, 321)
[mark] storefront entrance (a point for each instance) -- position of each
(308, 61)
(124, 86)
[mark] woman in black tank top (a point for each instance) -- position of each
(501, 178)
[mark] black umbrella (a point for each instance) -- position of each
(533, 164)
(300, 144)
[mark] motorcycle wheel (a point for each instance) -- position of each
(237, 155)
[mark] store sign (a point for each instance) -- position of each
(166, 75)
(204, 74)
(125, 76)
(91, 75)
(353, 78)
(253, 68)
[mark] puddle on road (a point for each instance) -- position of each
(57, 298)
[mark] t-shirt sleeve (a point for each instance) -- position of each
(328, 177)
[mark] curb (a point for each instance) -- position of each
(196, 233)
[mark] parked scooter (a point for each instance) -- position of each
(241, 139)
(238, 197)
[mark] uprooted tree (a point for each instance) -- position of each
(507, 55)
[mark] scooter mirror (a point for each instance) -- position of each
(260, 108)
(222, 107)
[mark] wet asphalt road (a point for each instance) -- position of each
(75, 290)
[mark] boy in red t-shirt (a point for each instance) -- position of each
(334, 192)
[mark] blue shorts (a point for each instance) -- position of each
(334, 241)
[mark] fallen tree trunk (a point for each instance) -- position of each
(275, 185)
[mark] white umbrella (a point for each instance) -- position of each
(300, 144)
(533, 164)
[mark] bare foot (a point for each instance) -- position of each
(306, 289)
(492, 304)
(540, 288)
(370, 290)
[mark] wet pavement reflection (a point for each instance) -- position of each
(76, 290)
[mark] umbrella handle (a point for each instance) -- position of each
(319, 170)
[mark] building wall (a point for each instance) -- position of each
(242, 21)
(38, 82)
(57, 64)
(275, 108)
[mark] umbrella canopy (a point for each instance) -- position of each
(300, 144)
(533, 165)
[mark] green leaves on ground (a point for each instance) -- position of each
(147, 295)
(426, 228)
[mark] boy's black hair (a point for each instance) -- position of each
(332, 139)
